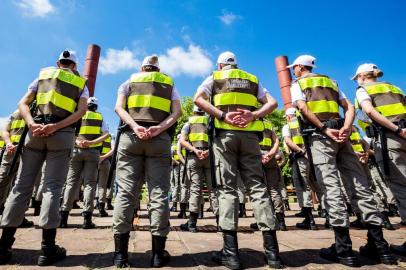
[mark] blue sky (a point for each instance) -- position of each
(188, 35)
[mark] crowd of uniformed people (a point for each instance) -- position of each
(226, 151)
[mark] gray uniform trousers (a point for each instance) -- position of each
(139, 160)
(184, 185)
(6, 182)
(301, 179)
(83, 163)
(381, 185)
(103, 176)
(55, 151)
(199, 171)
(273, 182)
(239, 151)
(397, 166)
(175, 182)
(329, 157)
(242, 198)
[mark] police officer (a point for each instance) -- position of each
(318, 98)
(183, 180)
(175, 176)
(234, 95)
(61, 96)
(300, 168)
(194, 138)
(385, 105)
(84, 163)
(149, 104)
(103, 175)
(11, 135)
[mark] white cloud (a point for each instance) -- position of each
(118, 60)
(228, 17)
(35, 8)
(193, 61)
(3, 120)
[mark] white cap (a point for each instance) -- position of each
(227, 58)
(68, 55)
(368, 67)
(151, 60)
(290, 111)
(197, 109)
(304, 60)
(92, 100)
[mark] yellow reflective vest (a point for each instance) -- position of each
(198, 136)
(355, 139)
(91, 127)
(266, 143)
(17, 125)
(106, 145)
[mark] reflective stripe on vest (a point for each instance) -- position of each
(233, 89)
(16, 127)
(355, 140)
(106, 146)
(198, 131)
(388, 100)
(266, 143)
(149, 97)
(2, 142)
(58, 91)
(321, 96)
(175, 155)
(296, 136)
(90, 128)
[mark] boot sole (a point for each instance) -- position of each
(45, 261)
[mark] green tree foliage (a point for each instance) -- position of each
(187, 110)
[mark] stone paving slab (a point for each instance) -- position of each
(93, 249)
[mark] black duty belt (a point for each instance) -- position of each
(334, 123)
(47, 119)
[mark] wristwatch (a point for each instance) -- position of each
(398, 130)
(323, 127)
(223, 116)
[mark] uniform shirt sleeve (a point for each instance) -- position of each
(186, 128)
(105, 127)
(124, 88)
(261, 92)
(362, 95)
(296, 93)
(286, 131)
(84, 93)
(33, 87)
(207, 86)
(175, 94)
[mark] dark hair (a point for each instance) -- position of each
(150, 68)
(308, 68)
(66, 62)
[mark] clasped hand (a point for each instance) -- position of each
(147, 133)
(41, 130)
(240, 118)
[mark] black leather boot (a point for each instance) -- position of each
(229, 255)
(308, 223)
(399, 250)
(37, 207)
(272, 250)
(160, 257)
(327, 222)
(174, 207)
(75, 205)
(358, 223)
(6, 242)
(281, 219)
(26, 223)
(218, 226)
(64, 219)
(242, 211)
(201, 212)
(377, 248)
(51, 253)
(341, 251)
(102, 210)
(109, 205)
(286, 205)
(190, 225)
(87, 221)
(386, 221)
(300, 214)
(182, 213)
(393, 210)
(121, 250)
(350, 210)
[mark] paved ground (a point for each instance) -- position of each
(89, 249)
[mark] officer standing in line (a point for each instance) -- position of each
(61, 96)
(269, 148)
(300, 168)
(103, 175)
(11, 135)
(318, 99)
(385, 105)
(150, 105)
(194, 138)
(184, 180)
(175, 174)
(84, 163)
(234, 95)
